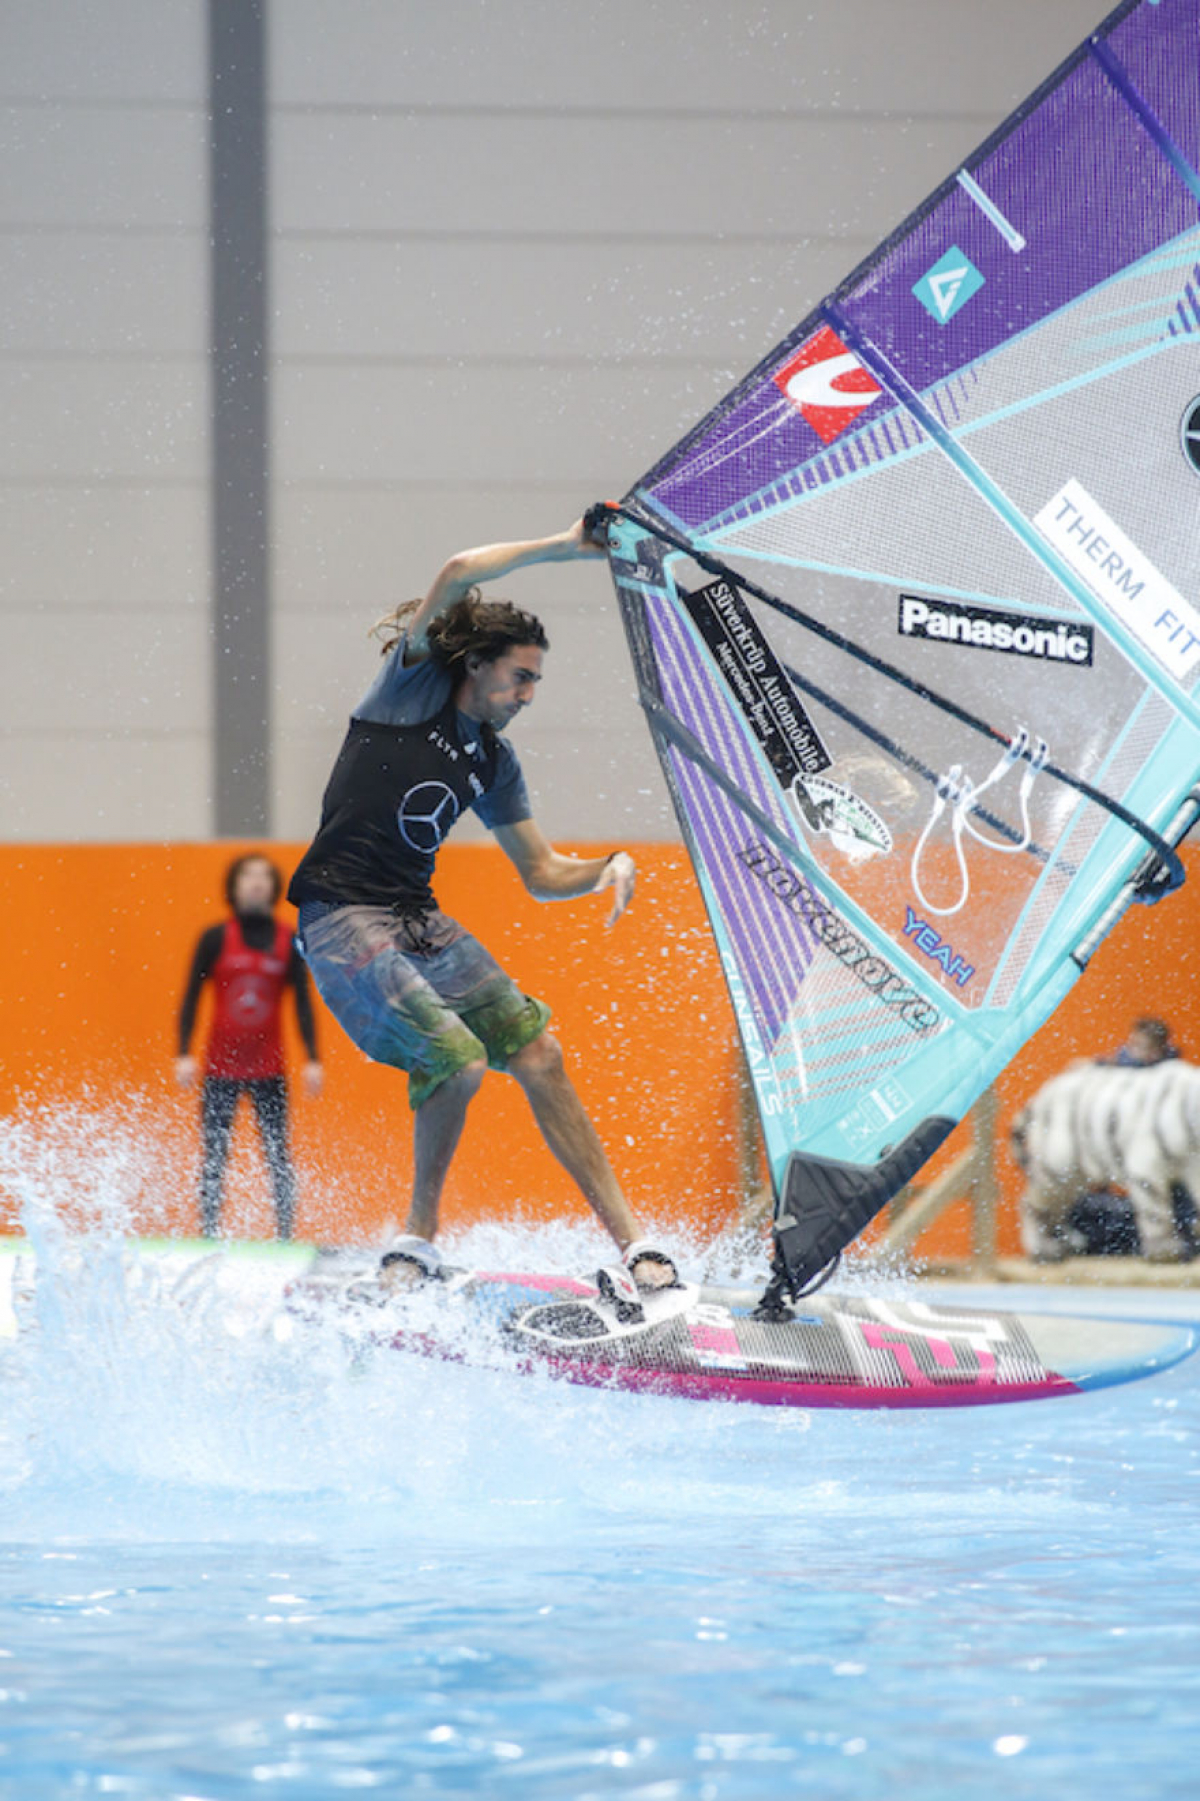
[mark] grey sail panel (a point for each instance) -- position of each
(967, 476)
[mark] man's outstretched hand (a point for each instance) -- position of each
(582, 543)
(619, 874)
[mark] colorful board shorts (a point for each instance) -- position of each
(419, 993)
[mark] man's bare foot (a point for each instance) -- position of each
(649, 1265)
(408, 1261)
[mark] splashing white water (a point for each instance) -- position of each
(156, 1390)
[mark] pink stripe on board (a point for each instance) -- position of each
(762, 1391)
(550, 1284)
(715, 1338)
(714, 1385)
(880, 1339)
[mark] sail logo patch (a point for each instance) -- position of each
(931, 944)
(874, 1113)
(758, 682)
(762, 1070)
(945, 289)
(851, 826)
(840, 939)
(1028, 635)
(1123, 579)
(1189, 434)
(827, 384)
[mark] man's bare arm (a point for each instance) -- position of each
(485, 564)
(549, 875)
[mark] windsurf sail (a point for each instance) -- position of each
(915, 616)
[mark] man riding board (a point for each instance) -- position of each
(411, 986)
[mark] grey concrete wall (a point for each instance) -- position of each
(104, 688)
(516, 249)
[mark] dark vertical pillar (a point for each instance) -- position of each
(239, 357)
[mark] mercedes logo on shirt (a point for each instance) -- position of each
(426, 814)
(1189, 434)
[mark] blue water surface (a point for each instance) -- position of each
(237, 1566)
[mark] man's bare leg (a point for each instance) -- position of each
(437, 1128)
(571, 1135)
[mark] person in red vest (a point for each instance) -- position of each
(250, 959)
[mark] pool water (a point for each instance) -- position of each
(234, 1566)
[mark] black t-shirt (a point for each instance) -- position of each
(394, 793)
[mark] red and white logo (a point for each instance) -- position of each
(828, 384)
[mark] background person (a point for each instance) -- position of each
(250, 959)
(1104, 1218)
(1149, 1042)
(1111, 1153)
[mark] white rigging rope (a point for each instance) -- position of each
(957, 791)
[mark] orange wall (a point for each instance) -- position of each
(97, 940)
(96, 945)
(1149, 966)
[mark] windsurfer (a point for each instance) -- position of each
(411, 986)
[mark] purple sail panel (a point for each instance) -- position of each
(774, 948)
(814, 392)
(1078, 191)
(1073, 193)
(1159, 48)
(771, 954)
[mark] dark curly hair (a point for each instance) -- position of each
(471, 627)
(239, 863)
(1157, 1031)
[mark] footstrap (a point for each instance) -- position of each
(418, 1251)
(645, 1248)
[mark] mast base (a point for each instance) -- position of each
(824, 1203)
